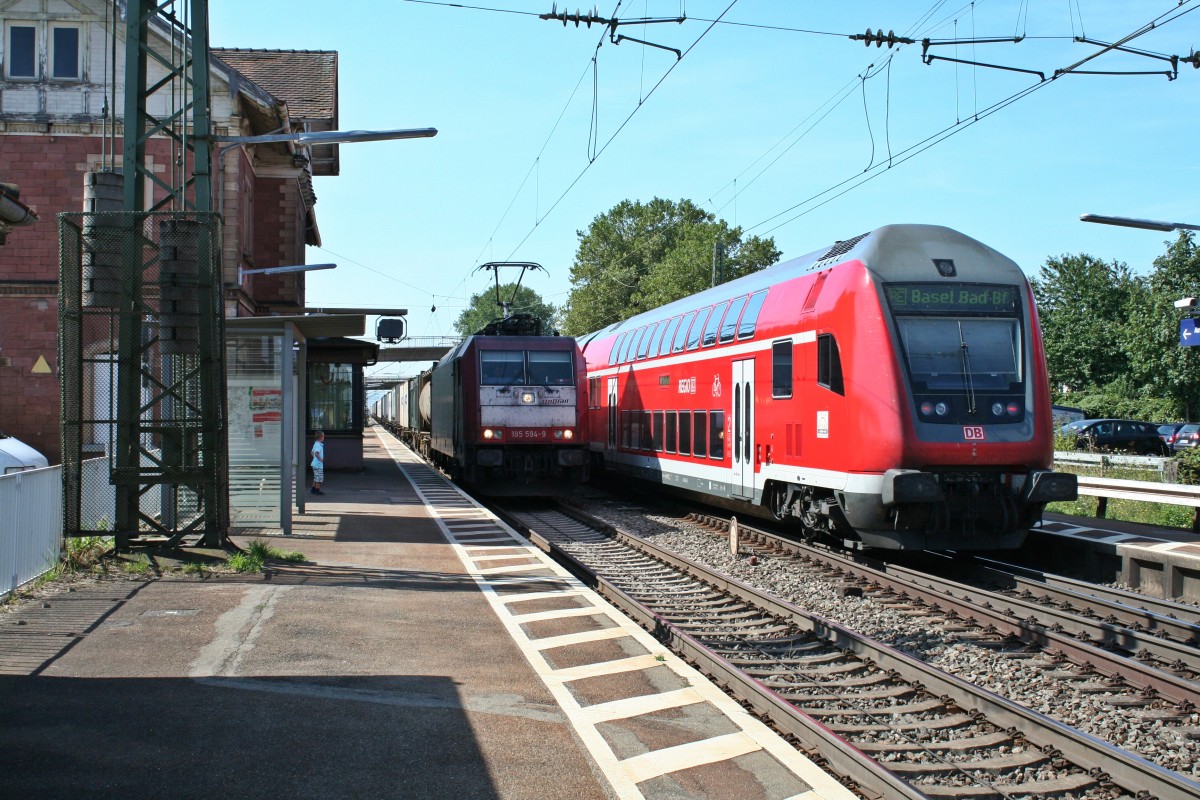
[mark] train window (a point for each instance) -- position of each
(685, 433)
(644, 343)
(693, 340)
(669, 337)
(656, 433)
(670, 431)
(750, 318)
(699, 433)
(647, 441)
(502, 367)
(714, 322)
(550, 368)
(716, 434)
(829, 364)
(682, 334)
(729, 326)
(993, 347)
(781, 368)
(616, 349)
(630, 350)
(657, 340)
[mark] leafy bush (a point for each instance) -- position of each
(1188, 466)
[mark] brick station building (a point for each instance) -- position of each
(57, 82)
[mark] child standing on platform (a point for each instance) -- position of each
(318, 462)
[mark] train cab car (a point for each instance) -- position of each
(509, 413)
(889, 391)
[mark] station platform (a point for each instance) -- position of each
(422, 650)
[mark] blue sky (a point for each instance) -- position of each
(753, 123)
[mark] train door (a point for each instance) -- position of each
(611, 445)
(743, 429)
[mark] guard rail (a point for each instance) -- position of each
(1176, 494)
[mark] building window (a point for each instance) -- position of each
(64, 52)
(22, 51)
(331, 397)
(781, 368)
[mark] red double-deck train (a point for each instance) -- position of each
(889, 391)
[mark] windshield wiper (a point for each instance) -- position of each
(966, 370)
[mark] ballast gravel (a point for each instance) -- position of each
(1056, 690)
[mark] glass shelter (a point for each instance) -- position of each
(267, 363)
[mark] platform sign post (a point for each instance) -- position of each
(1189, 335)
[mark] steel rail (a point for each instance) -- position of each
(1085, 750)
(996, 610)
(1147, 610)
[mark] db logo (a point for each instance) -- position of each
(973, 433)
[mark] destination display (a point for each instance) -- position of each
(938, 298)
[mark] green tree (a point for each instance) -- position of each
(1082, 303)
(483, 308)
(1158, 366)
(638, 256)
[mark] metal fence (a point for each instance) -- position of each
(31, 520)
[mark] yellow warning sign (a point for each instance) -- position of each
(41, 367)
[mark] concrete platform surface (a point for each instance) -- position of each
(376, 668)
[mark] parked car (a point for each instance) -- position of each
(1187, 438)
(1126, 435)
(1167, 431)
(16, 456)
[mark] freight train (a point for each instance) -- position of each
(504, 411)
(889, 392)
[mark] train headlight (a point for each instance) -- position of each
(488, 433)
(558, 434)
(997, 409)
(527, 398)
(941, 409)
(568, 434)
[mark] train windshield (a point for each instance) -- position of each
(946, 353)
(526, 368)
(550, 368)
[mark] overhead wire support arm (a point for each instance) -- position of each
(612, 24)
(926, 58)
(1171, 74)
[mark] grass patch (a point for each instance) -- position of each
(257, 553)
(138, 566)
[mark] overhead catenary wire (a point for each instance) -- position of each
(854, 181)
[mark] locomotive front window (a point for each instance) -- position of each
(501, 368)
(551, 368)
(977, 354)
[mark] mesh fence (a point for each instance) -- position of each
(143, 379)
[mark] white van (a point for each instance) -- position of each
(16, 456)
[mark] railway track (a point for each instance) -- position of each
(892, 724)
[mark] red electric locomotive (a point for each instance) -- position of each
(890, 391)
(509, 410)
